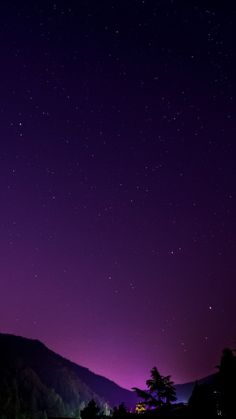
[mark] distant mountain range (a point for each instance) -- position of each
(35, 382)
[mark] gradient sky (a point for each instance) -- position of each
(117, 182)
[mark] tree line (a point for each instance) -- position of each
(211, 400)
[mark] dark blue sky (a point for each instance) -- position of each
(117, 171)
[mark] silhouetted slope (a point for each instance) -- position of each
(184, 391)
(36, 379)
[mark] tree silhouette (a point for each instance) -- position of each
(160, 390)
(217, 397)
(155, 385)
(91, 411)
(202, 402)
(227, 383)
(169, 392)
(120, 411)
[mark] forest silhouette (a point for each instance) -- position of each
(213, 400)
(36, 383)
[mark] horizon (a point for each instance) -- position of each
(139, 384)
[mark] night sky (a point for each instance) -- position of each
(117, 182)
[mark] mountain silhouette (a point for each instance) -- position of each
(35, 380)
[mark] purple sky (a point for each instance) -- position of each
(117, 183)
